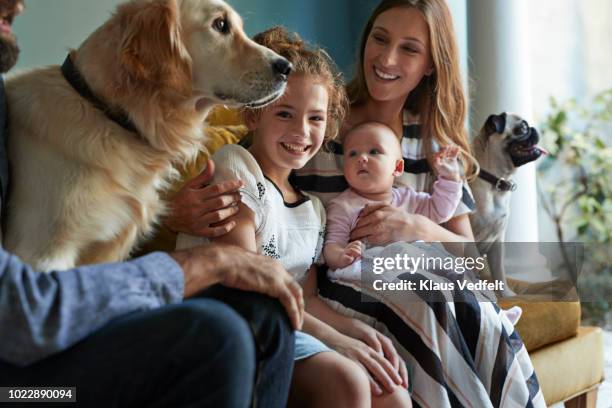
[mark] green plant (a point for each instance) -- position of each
(576, 189)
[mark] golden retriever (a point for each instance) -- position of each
(84, 187)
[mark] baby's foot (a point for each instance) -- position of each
(446, 163)
(513, 314)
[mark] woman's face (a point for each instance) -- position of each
(397, 54)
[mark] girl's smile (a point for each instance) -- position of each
(295, 148)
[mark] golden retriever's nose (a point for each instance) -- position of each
(282, 66)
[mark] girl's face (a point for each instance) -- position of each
(397, 54)
(291, 130)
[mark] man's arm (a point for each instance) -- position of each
(44, 313)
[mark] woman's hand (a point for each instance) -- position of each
(199, 209)
(381, 224)
(379, 370)
(381, 344)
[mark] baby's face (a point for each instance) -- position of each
(372, 159)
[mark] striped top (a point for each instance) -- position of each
(323, 174)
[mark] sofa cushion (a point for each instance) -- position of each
(544, 323)
(223, 116)
(569, 368)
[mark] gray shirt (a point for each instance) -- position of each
(44, 313)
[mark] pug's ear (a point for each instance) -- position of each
(495, 124)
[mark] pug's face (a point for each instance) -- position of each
(511, 136)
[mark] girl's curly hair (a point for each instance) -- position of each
(313, 61)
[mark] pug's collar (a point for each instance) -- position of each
(500, 183)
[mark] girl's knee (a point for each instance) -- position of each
(313, 377)
(352, 378)
(400, 398)
(353, 385)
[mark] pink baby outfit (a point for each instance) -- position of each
(343, 211)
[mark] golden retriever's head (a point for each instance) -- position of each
(193, 48)
(227, 65)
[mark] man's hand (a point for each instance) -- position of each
(234, 267)
(200, 209)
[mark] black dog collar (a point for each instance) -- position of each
(500, 184)
(76, 80)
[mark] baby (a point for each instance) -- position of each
(372, 161)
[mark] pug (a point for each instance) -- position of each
(505, 143)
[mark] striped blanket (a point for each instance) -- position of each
(463, 352)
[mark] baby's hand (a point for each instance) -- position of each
(352, 252)
(446, 164)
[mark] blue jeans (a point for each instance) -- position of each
(225, 348)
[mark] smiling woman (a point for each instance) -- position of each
(396, 55)
(408, 77)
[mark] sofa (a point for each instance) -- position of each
(568, 358)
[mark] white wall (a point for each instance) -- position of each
(49, 28)
(570, 57)
(571, 49)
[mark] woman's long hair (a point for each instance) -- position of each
(439, 99)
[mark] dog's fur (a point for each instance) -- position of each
(84, 189)
(505, 142)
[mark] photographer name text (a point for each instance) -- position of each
(429, 285)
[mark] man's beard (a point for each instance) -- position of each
(9, 51)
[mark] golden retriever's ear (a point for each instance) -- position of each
(151, 46)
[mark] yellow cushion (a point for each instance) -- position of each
(568, 368)
(222, 116)
(543, 323)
